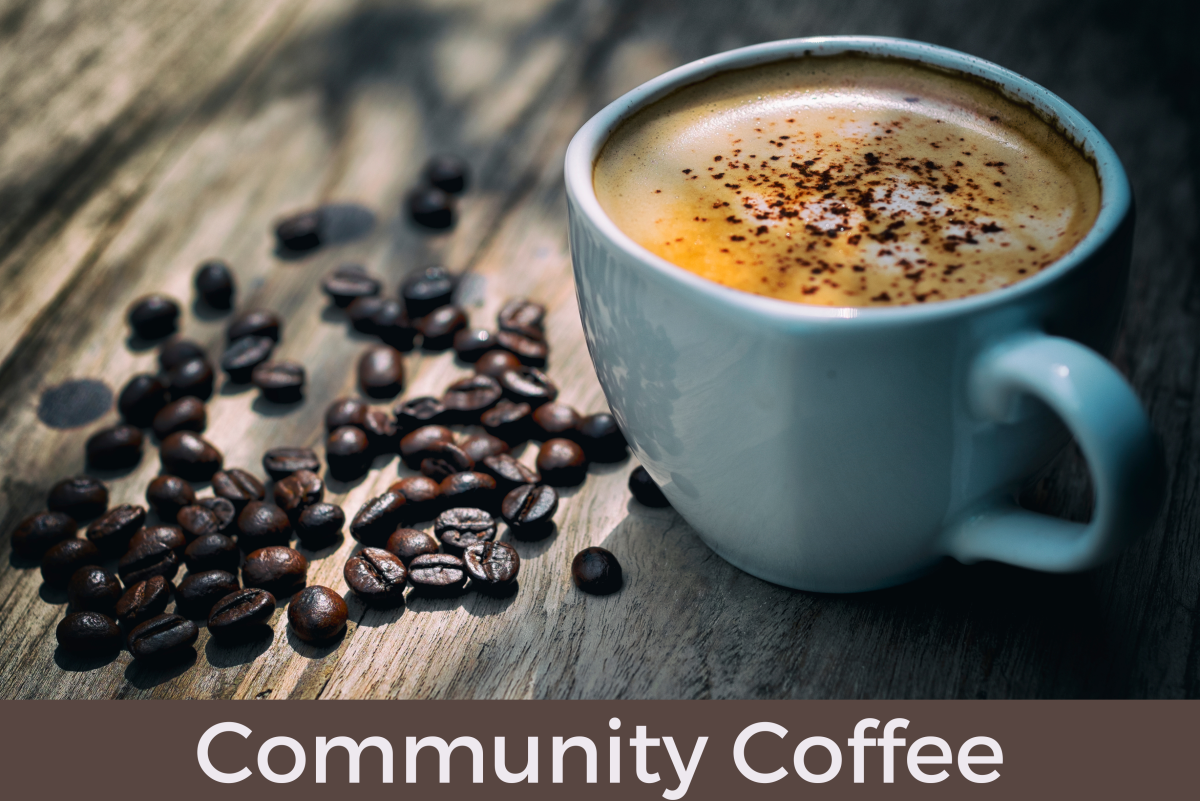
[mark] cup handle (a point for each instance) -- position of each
(1123, 454)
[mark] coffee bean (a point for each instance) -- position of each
(465, 400)
(508, 472)
(421, 497)
(417, 444)
(469, 489)
(141, 399)
(427, 289)
(298, 491)
(407, 543)
(223, 510)
(492, 566)
(192, 378)
(376, 576)
(199, 592)
(256, 322)
(163, 637)
(170, 536)
(552, 420)
(601, 438)
(529, 510)
(189, 456)
(317, 614)
(240, 613)
(212, 552)
(431, 207)
(282, 462)
(471, 343)
(523, 317)
(279, 382)
(439, 327)
(81, 498)
(143, 600)
(437, 574)
(114, 448)
(197, 521)
(348, 282)
(168, 494)
(445, 459)
(528, 385)
(150, 558)
(562, 463)
(178, 351)
(528, 351)
(644, 490)
(112, 532)
(511, 422)
(38, 532)
(481, 446)
(240, 487)
(153, 316)
(262, 524)
(378, 518)
(88, 633)
(185, 414)
(390, 322)
(416, 412)
(381, 432)
(346, 412)
(319, 525)
(462, 526)
(496, 363)
(214, 284)
(244, 355)
(300, 232)
(361, 313)
(448, 173)
(93, 589)
(348, 452)
(597, 571)
(279, 570)
(381, 372)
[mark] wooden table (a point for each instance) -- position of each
(139, 138)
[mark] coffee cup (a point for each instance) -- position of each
(844, 449)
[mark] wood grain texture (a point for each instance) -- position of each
(140, 138)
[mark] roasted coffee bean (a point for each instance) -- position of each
(240, 613)
(597, 571)
(257, 322)
(496, 363)
(601, 438)
(193, 378)
(319, 525)
(523, 317)
(469, 489)
(437, 574)
(427, 289)
(508, 472)
(421, 497)
(189, 456)
(163, 637)
(529, 510)
(447, 173)
(562, 463)
(168, 494)
(317, 614)
(143, 600)
(88, 633)
(81, 498)
(212, 552)
(214, 284)
(361, 313)
(262, 524)
(348, 452)
(277, 569)
(199, 592)
(381, 431)
(282, 462)
(511, 422)
(465, 400)
(381, 372)
(223, 510)
(300, 232)
(170, 536)
(197, 521)
(528, 385)
(471, 343)
(552, 420)
(93, 589)
(376, 576)
(644, 490)
(459, 527)
(481, 446)
(150, 558)
(240, 487)
(185, 414)
(115, 448)
(492, 566)
(390, 322)
(141, 399)
(298, 491)
(439, 327)
(348, 282)
(407, 543)
(112, 532)
(244, 355)
(418, 444)
(378, 518)
(431, 207)
(279, 382)
(38, 532)
(178, 351)
(61, 560)
(531, 352)
(153, 316)
(416, 412)
(445, 459)
(346, 412)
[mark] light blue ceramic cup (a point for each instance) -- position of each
(849, 449)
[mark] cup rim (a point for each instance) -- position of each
(585, 146)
